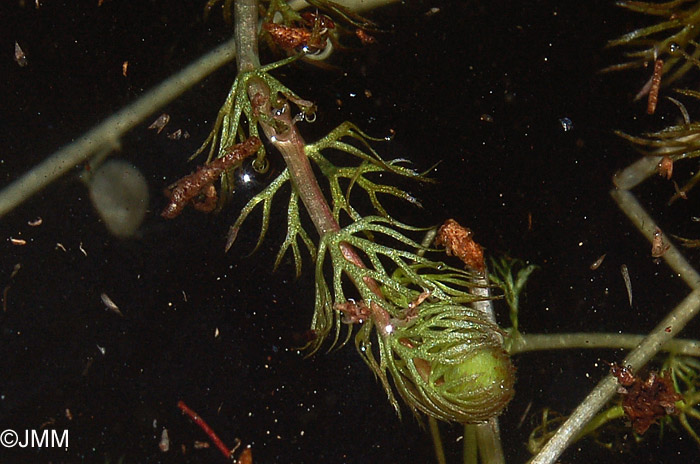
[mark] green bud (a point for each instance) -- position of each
(450, 364)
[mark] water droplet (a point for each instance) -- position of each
(566, 124)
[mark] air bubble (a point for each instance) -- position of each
(566, 124)
(674, 47)
(119, 193)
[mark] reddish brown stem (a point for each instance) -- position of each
(204, 426)
(291, 145)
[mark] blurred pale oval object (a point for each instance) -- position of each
(119, 193)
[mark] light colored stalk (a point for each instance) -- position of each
(636, 173)
(646, 225)
(470, 449)
(105, 136)
(488, 436)
(539, 342)
(437, 440)
(246, 17)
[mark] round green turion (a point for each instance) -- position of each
(451, 364)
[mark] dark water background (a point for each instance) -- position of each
(527, 65)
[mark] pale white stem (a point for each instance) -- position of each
(566, 341)
(646, 225)
(488, 436)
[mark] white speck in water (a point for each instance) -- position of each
(566, 124)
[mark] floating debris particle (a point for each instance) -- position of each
(628, 284)
(125, 68)
(164, 444)
(598, 262)
(18, 241)
(566, 124)
(160, 123)
(655, 86)
(15, 270)
(35, 223)
(179, 134)
(658, 247)
(665, 167)
(20, 57)
(110, 304)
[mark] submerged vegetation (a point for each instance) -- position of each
(416, 301)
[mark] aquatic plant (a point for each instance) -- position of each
(442, 357)
(422, 325)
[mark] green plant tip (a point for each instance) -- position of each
(484, 380)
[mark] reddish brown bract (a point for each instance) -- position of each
(364, 37)
(353, 312)
(666, 167)
(458, 241)
(658, 247)
(655, 85)
(312, 36)
(200, 182)
(645, 402)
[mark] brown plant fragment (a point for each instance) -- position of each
(201, 182)
(246, 456)
(20, 57)
(310, 36)
(353, 312)
(645, 401)
(364, 37)
(658, 247)
(458, 241)
(665, 167)
(160, 122)
(655, 86)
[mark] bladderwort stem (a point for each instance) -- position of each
(246, 17)
(614, 341)
(289, 141)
